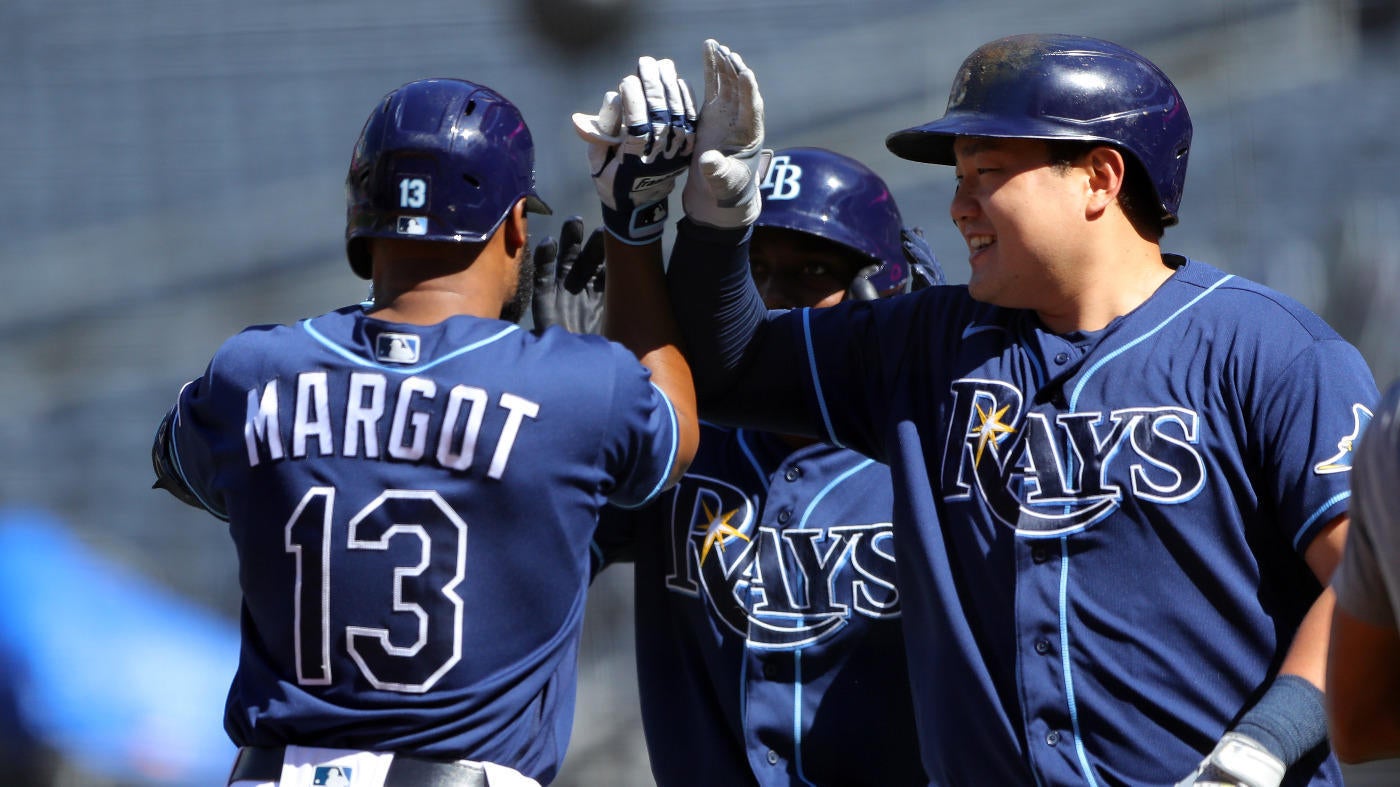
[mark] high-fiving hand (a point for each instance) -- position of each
(639, 143)
(729, 162)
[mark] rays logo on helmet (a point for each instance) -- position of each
(783, 180)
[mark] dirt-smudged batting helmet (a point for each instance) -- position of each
(1053, 86)
(439, 160)
(822, 193)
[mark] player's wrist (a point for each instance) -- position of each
(691, 229)
(637, 225)
(1289, 720)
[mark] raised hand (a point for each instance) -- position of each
(729, 161)
(639, 143)
(569, 280)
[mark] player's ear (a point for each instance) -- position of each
(515, 228)
(1106, 168)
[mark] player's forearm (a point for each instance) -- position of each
(1307, 655)
(1363, 689)
(717, 307)
(637, 314)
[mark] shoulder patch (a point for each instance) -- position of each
(1346, 447)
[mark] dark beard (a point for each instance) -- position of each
(514, 309)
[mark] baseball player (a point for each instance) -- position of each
(412, 484)
(1121, 475)
(1363, 659)
(767, 619)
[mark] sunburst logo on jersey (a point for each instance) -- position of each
(1341, 463)
(990, 429)
(717, 530)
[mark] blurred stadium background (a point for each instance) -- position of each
(173, 172)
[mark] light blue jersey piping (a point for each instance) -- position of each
(1064, 540)
(816, 381)
(358, 361)
(671, 454)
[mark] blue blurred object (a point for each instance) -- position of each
(119, 677)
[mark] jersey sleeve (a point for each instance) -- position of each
(189, 435)
(1361, 582)
(1315, 412)
(647, 437)
(208, 422)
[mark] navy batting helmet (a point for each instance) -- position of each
(829, 195)
(438, 159)
(1054, 86)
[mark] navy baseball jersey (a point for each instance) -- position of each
(412, 508)
(768, 640)
(1099, 536)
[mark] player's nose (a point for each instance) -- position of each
(962, 208)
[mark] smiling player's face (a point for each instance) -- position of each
(1019, 216)
(793, 269)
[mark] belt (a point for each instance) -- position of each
(264, 764)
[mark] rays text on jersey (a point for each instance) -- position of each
(1047, 472)
(421, 421)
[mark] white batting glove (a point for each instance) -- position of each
(639, 143)
(1237, 761)
(722, 190)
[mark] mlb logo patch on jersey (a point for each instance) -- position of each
(397, 348)
(413, 225)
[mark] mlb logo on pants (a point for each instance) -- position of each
(331, 776)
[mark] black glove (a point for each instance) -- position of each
(922, 262)
(861, 289)
(569, 279)
(164, 463)
(924, 270)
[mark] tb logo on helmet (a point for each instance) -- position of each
(783, 180)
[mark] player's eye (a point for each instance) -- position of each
(816, 269)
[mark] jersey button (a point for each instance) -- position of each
(770, 671)
(792, 474)
(1042, 646)
(1061, 357)
(1052, 738)
(1040, 554)
(772, 757)
(784, 516)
